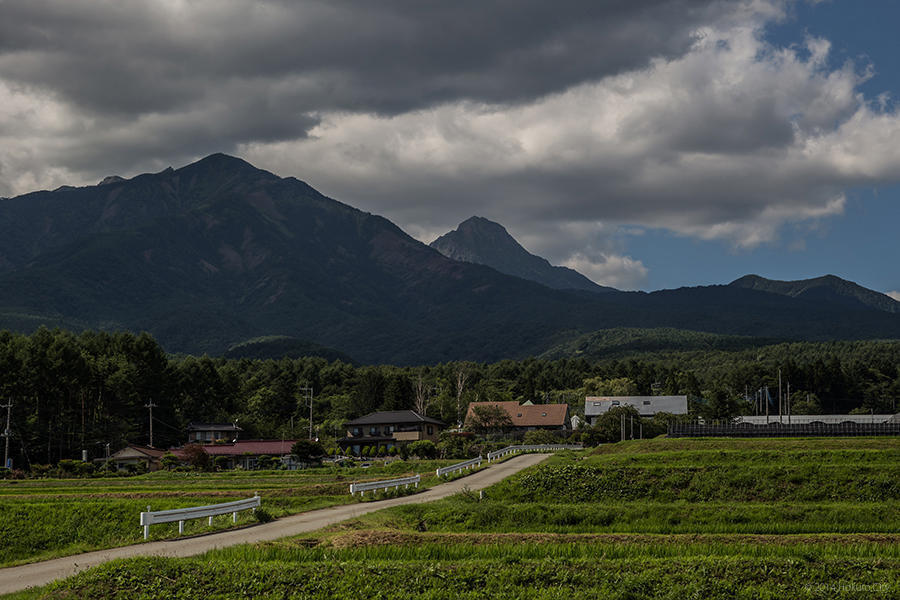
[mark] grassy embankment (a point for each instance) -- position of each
(658, 518)
(46, 518)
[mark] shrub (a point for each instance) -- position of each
(424, 449)
(307, 451)
(168, 461)
(196, 456)
(67, 467)
(539, 437)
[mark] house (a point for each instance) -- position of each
(132, 456)
(199, 433)
(246, 453)
(647, 406)
(526, 417)
(389, 429)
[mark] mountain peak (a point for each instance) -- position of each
(221, 164)
(485, 242)
(829, 287)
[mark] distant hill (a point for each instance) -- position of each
(480, 241)
(829, 289)
(624, 341)
(218, 252)
(282, 346)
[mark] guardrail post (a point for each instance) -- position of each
(180, 527)
(210, 521)
(234, 517)
(147, 527)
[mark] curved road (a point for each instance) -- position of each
(13, 579)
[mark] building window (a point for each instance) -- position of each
(373, 431)
(430, 430)
(390, 429)
(357, 431)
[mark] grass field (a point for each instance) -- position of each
(657, 518)
(69, 516)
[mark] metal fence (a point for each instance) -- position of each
(776, 429)
(362, 488)
(466, 464)
(196, 512)
(536, 448)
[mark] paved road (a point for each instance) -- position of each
(13, 579)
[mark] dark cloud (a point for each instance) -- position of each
(384, 57)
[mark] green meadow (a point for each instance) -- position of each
(47, 518)
(788, 518)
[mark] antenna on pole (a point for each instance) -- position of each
(307, 392)
(151, 406)
(6, 434)
(779, 396)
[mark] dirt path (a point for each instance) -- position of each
(13, 579)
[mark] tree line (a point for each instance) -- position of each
(93, 390)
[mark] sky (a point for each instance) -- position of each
(646, 143)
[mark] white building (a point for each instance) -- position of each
(824, 419)
(647, 406)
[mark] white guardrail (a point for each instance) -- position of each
(467, 464)
(362, 488)
(196, 512)
(541, 448)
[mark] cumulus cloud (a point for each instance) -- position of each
(148, 84)
(730, 141)
(573, 125)
(622, 272)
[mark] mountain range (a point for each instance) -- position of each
(218, 253)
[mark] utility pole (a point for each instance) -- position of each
(151, 406)
(308, 395)
(788, 402)
(8, 407)
(779, 395)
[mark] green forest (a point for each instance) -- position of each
(71, 392)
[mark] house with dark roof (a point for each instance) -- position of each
(526, 417)
(198, 433)
(389, 429)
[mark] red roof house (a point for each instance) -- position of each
(525, 417)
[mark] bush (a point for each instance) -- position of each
(424, 449)
(67, 467)
(307, 451)
(456, 445)
(539, 437)
(168, 461)
(196, 456)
